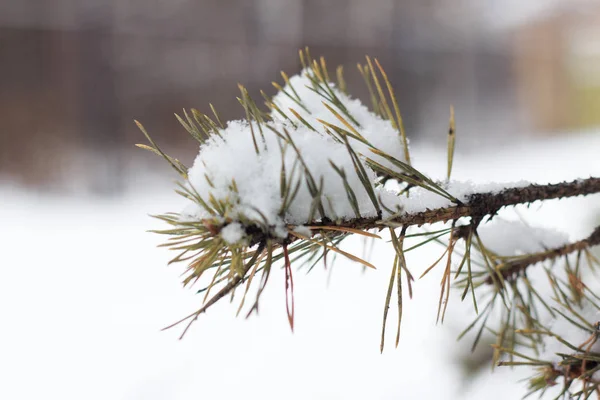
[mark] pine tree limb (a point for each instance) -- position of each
(480, 205)
(511, 269)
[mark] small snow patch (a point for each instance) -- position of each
(513, 238)
(233, 233)
(303, 231)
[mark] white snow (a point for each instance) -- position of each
(377, 131)
(256, 194)
(422, 199)
(233, 233)
(257, 176)
(303, 231)
(513, 238)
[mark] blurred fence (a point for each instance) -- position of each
(74, 74)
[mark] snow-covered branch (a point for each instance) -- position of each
(290, 183)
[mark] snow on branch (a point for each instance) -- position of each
(292, 181)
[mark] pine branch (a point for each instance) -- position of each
(480, 205)
(476, 208)
(511, 269)
(335, 158)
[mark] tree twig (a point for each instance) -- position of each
(480, 205)
(511, 269)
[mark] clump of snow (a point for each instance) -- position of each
(257, 176)
(512, 238)
(376, 130)
(303, 231)
(229, 169)
(463, 189)
(233, 233)
(280, 230)
(422, 199)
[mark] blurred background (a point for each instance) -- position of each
(74, 74)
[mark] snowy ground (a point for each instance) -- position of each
(84, 294)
